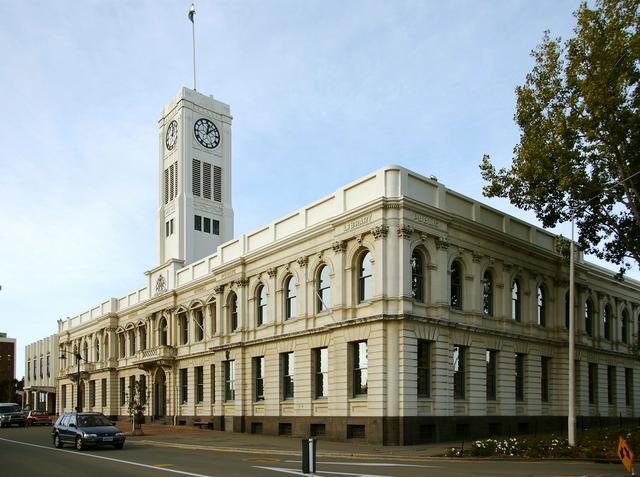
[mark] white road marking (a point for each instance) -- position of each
(370, 464)
(163, 469)
(318, 473)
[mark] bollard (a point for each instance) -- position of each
(309, 456)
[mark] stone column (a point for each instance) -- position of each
(221, 327)
(302, 290)
(441, 279)
(339, 289)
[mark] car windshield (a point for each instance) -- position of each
(93, 421)
(10, 408)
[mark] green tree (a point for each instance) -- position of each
(579, 148)
(136, 405)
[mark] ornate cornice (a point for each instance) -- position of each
(219, 289)
(242, 282)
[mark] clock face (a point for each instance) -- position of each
(172, 135)
(206, 133)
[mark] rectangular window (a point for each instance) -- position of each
(321, 358)
(287, 367)
(213, 383)
(217, 183)
(424, 369)
(458, 372)
(28, 369)
(258, 370)
(545, 362)
(206, 225)
(48, 365)
(215, 227)
(123, 397)
(103, 391)
(184, 386)
(92, 393)
(360, 368)
(195, 177)
(199, 372)
(611, 385)
(229, 380)
(628, 386)
(491, 362)
(206, 180)
(593, 383)
(143, 389)
(41, 367)
(171, 227)
(166, 229)
(519, 358)
(63, 391)
(197, 222)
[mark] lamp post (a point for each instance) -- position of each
(78, 397)
(571, 415)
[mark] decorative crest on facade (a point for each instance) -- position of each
(405, 231)
(272, 272)
(339, 246)
(302, 261)
(242, 282)
(380, 231)
(442, 243)
(219, 289)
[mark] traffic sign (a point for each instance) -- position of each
(625, 453)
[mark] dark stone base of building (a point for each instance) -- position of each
(395, 431)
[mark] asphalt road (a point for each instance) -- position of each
(29, 451)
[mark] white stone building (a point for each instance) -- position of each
(41, 369)
(394, 310)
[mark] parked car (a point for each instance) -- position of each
(86, 429)
(11, 414)
(38, 418)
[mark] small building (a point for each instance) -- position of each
(7, 357)
(41, 369)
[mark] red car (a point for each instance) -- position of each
(38, 418)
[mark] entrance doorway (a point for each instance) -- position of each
(159, 394)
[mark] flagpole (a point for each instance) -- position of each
(193, 40)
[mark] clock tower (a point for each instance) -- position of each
(194, 213)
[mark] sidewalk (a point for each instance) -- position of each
(194, 438)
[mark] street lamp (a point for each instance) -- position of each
(78, 397)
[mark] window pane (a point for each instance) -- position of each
(323, 290)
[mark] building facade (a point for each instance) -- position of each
(394, 310)
(41, 369)
(7, 357)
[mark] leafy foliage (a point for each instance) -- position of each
(579, 148)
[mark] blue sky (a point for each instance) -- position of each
(321, 93)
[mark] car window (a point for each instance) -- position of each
(64, 420)
(9, 408)
(72, 420)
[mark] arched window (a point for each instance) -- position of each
(213, 315)
(143, 337)
(290, 300)
(588, 317)
(75, 356)
(233, 312)
(96, 349)
(487, 293)
(121, 346)
(606, 322)
(261, 305)
(323, 290)
(106, 347)
(365, 279)
(184, 328)
(516, 304)
(417, 277)
(85, 351)
(132, 342)
(540, 306)
(624, 327)
(198, 320)
(456, 285)
(162, 328)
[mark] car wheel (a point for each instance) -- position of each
(79, 444)
(56, 441)
(118, 446)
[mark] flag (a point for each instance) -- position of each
(192, 12)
